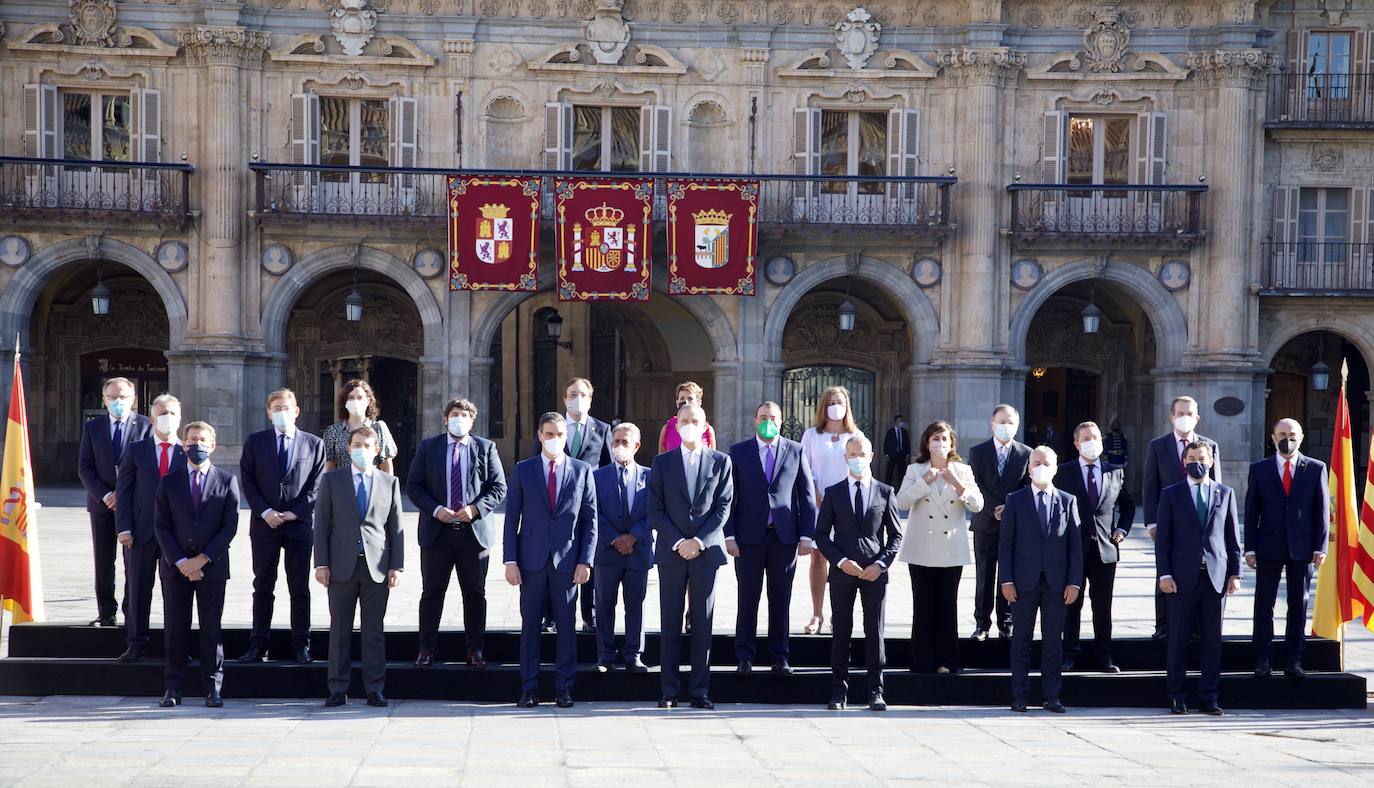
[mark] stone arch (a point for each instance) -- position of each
(915, 306)
(21, 294)
(1358, 335)
(1167, 320)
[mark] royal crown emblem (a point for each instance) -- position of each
(712, 231)
(495, 233)
(608, 244)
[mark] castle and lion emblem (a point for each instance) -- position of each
(495, 233)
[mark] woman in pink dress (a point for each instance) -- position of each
(688, 393)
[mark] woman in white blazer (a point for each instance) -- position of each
(938, 489)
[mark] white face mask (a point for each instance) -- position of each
(283, 419)
(1004, 432)
(1042, 475)
(1090, 449)
(622, 454)
(357, 407)
(167, 423)
(835, 412)
(458, 426)
(553, 447)
(1185, 424)
(690, 433)
(939, 448)
(578, 405)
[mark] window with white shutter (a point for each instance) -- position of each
(903, 147)
(40, 142)
(304, 144)
(806, 160)
(148, 106)
(557, 136)
(656, 138)
(404, 146)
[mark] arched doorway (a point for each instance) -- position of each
(1293, 392)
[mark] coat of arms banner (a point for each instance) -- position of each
(712, 236)
(603, 238)
(493, 232)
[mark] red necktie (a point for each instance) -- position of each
(1287, 477)
(553, 486)
(1183, 454)
(162, 462)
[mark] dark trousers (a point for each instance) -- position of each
(935, 617)
(896, 469)
(105, 546)
(344, 598)
(613, 577)
(873, 595)
(1161, 611)
(267, 554)
(1099, 580)
(1049, 604)
(177, 596)
(547, 589)
(676, 578)
(1201, 607)
(586, 596)
(1299, 575)
(140, 570)
(454, 549)
(986, 593)
(775, 562)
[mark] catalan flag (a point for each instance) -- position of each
(20, 588)
(1336, 601)
(1362, 551)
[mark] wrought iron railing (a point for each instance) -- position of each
(420, 195)
(1164, 213)
(54, 188)
(1320, 100)
(1318, 268)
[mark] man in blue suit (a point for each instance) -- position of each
(549, 546)
(690, 494)
(1197, 559)
(624, 550)
(772, 521)
(197, 515)
(103, 443)
(145, 463)
(1287, 515)
(1040, 563)
(281, 470)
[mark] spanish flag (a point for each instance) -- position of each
(20, 589)
(1336, 602)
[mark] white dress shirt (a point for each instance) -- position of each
(865, 486)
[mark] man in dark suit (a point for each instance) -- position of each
(859, 533)
(281, 469)
(196, 516)
(772, 521)
(690, 495)
(1040, 561)
(624, 550)
(103, 443)
(1164, 466)
(549, 545)
(456, 482)
(897, 449)
(359, 556)
(1105, 510)
(145, 463)
(1197, 559)
(1287, 516)
(1000, 466)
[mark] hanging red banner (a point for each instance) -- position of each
(603, 239)
(493, 232)
(712, 236)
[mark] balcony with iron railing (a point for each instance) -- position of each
(1124, 215)
(1318, 268)
(395, 196)
(75, 190)
(1320, 101)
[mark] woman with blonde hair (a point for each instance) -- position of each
(688, 393)
(823, 447)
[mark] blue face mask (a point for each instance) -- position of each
(361, 458)
(119, 408)
(197, 453)
(857, 466)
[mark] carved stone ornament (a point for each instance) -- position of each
(91, 23)
(223, 46)
(1326, 159)
(353, 24)
(1104, 43)
(1240, 67)
(857, 37)
(607, 32)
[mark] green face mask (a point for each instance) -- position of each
(767, 430)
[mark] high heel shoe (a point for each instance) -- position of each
(813, 626)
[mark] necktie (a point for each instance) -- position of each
(164, 461)
(1201, 507)
(1287, 477)
(455, 478)
(1042, 509)
(624, 496)
(1001, 460)
(858, 499)
(362, 496)
(899, 441)
(770, 463)
(117, 441)
(576, 442)
(1182, 452)
(553, 486)
(282, 454)
(195, 491)
(1093, 494)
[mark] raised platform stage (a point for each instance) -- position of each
(50, 659)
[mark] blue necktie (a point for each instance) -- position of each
(118, 441)
(1043, 510)
(624, 497)
(282, 454)
(1001, 460)
(362, 497)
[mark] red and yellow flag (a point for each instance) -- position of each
(1336, 602)
(1362, 551)
(19, 585)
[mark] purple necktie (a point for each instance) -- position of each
(455, 478)
(1093, 494)
(769, 465)
(195, 491)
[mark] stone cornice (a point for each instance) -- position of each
(986, 66)
(223, 46)
(1234, 67)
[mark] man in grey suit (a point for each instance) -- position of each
(359, 555)
(690, 493)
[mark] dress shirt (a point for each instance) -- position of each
(631, 476)
(580, 425)
(691, 466)
(448, 458)
(866, 488)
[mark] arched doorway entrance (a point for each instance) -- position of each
(1295, 391)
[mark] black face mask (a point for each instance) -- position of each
(1198, 470)
(1287, 446)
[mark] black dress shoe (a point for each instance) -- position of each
(336, 699)
(1178, 707)
(1160, 634)
(213, 700)
(1004, 634)
(637, 666)
(102, 621)
(1018, 705)
(255, 653)
(527, 701)
(303, 656)
(836, 703)
(667, 702)
(1053, 705)
(475, 659)
(782, 667)
(1263, 670)
(130, 654)
(376, 699)
(1108, 666)
(979, 634)
(547, 626)
(1067, 664)
(745, 668)
(1211, 708)
(602, 667)
(170, 699)
(703, 702)
(424, 660)
(1295, 671)
(563, 700)
(876, 702)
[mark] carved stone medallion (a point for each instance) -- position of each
(1104, 43)
(353, 24)
(607, 32)
(91, 23)
(857, 37)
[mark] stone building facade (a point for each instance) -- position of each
(970, 177)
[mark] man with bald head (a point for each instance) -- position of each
(1287, 510)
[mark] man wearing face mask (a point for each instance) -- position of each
(456, 482)
(999, 468)
(1197, 560)
(690, 495)
(145, 463)
(624, 550)
(772, 521)
(1287, 515)
(104, 441)
(1040, 561)
(281, 469)
(1105, 509)
(1164, 465)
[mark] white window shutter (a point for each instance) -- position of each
(1159, 147)
(304, 134)
(903, 144)
(1052, 133)
(557, 136)
(663, 138)
(1286, 215)
(40, 141)
(806, 154)
(405, 135)
(148, 145)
